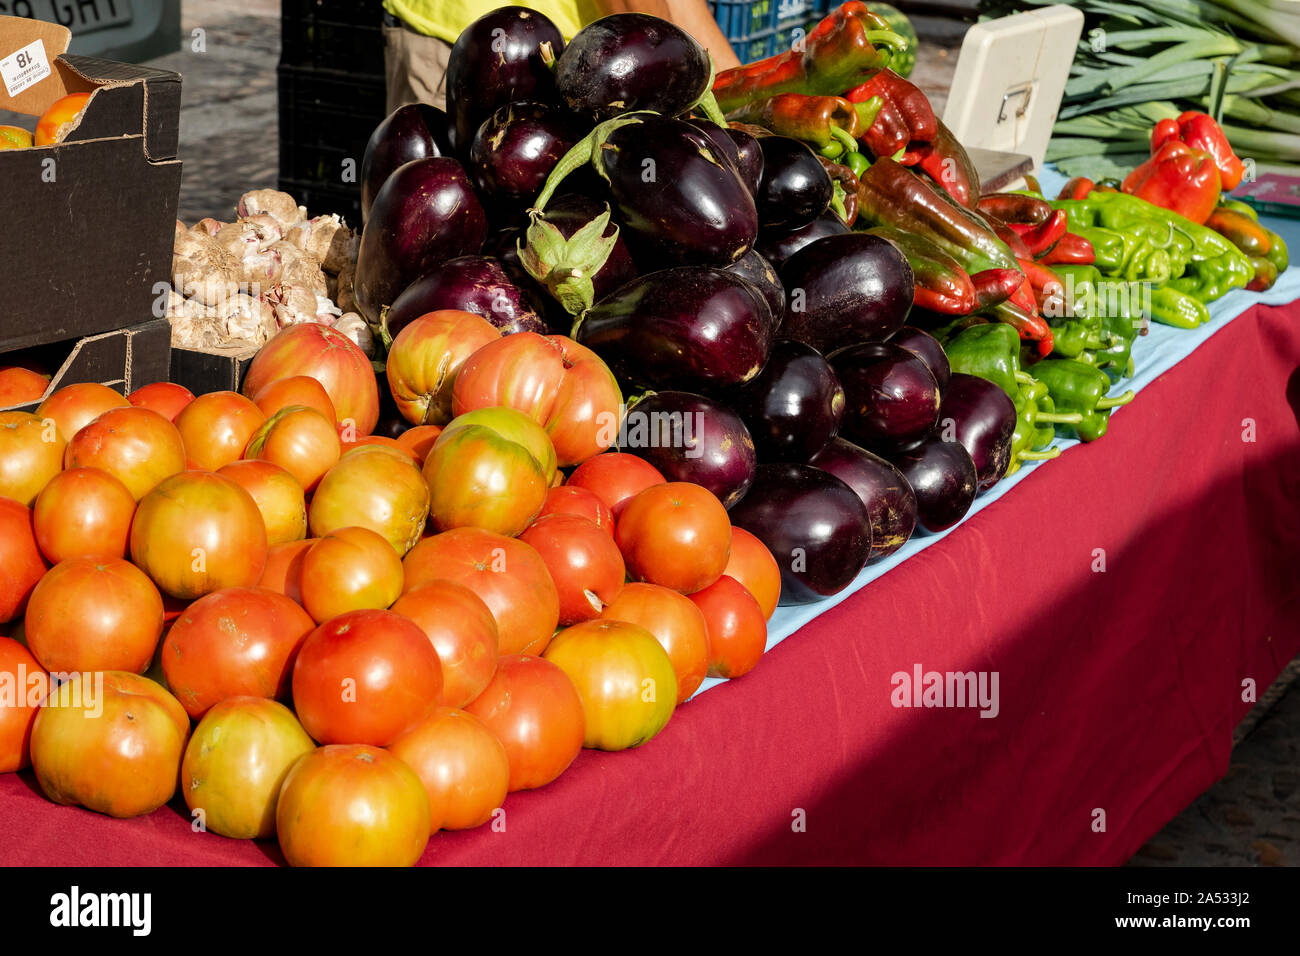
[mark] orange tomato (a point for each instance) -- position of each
(137, 446)
(737, 628)
(300, 440)
(462, 765)
(584, 562)
(463, 632)
(83, 513)
(753, 566)
(31, 453)
(15, 137)
(54, 122)
(18, 713)
(294, 390)
(677, 624)
(75, 406)
(616, 478)
(18, 385)
(216, 428)
(278, 496)
(283, 572)
(373, 487)
(21, 563)
(166, 398)
(419, 440)
(676, 534)
(349, 569)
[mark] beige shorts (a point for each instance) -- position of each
(416, 68)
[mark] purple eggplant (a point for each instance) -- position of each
(475, 284)
(843, 290)
(795, 188)
(982, 418)
(503, 56)
(632, 61)
(503, 246)
(778, 245)
(927, 348)
(515, 150)
(692, 328)
(794, 406)
(942, 475)
(424, 214)
(749, 155)
(415, 131)
(759, 271)
(890, 500)
(692, 438)
(813, 523)
(891, 399)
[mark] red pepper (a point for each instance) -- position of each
(1072, 249)
(1201, 132)
(1041, 238)
(1010, 237)
(995, 285)
(1077, 188)
(946, 162)
(1039, 276)
(1030, 326)
(905, 113)
(1015, 207)
(1177, 178)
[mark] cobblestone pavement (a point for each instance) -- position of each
(229, 145)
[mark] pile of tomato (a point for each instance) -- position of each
(344, 641)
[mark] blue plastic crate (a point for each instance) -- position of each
(760, 28)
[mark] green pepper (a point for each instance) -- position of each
(990, 351)
(1277, 253)
(1171, 306)
(857, 162)
(1036, 417)
(1078, 329)
(1076, 387)
(1210, 279)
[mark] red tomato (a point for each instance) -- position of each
(31, 453)
(278, 496)
(463, 632)
(506, 573)
(235, 763)
(237, 642)
(677, 535)
(352, 806)
(331, 358)
(19, 386)
(83, 513)
(166, 398)
(753, 566)
(300, 440)
(381, 440)
(584, 562)
(375, 488)
(138, 447)
(28, 684)
(295, 390)
(114, 748)
(58, 118)
(426, 357)
(676, 623)
(350, 569)
(87, 615)
(462, 765)
(616, 478)
(572, 500)
(75, 406)
(737, 628)
(419, 441)
(21, 564)
(197, 533)
(216, 428)
(283, 572)
(364, 677)
(535, 711)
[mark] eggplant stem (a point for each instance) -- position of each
(584, 151)
(708, 105)
(1117, 401)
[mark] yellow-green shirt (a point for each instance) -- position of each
(445, 19)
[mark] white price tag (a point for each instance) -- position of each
(25, 68)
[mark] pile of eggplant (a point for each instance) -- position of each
(590, 190)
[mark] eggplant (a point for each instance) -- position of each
(891, 398)
(794, 406)
(890, 500)
(778, 245)
(475, 284)
(692, 438)
(749, 157)
(760, 273)
(415, 131)
(515, 150)
(632, 61)
(843, 290)
(927, 348)
(424, 214)
(983, 418)
(693, 328)
(795, 188)
(503, 56)
(942, 476)
(814, 524)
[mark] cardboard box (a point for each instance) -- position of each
(219, 370)
(124, 359)
(86, 225)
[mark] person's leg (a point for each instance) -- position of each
(416, 68)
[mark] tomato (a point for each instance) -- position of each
(509, 575)
(300, 440)
(462, 765)
(283, 572)
(237, 642)
(83, 513)
(382, 441)
(753, 566)
(375, 488)
(533, 708)
(486, 473)
(426, 357)
(15, 137)
(22, 688)
(135, 445)
(677, 535)
(295, 390)
(21, 564)
(364, 677)
(166, 398)
(19, 386)
(419, 441)
(737, 628)
(216, 428)
(624, 677)
(75, 406)
(349, 569)
(352, 806)
(584, 562)
(676, 623)
(58, 118)
(330, 357)
(572, 500)
(463, 632)
(235, 763)
(616, 478)
(115, 748)
(278, 496)
(31, 453)
(197, 533)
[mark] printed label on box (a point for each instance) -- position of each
(25, 68)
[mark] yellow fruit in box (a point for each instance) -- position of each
(14, 137)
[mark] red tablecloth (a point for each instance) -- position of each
(1118, 688)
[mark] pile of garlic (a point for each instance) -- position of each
(237, 284)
